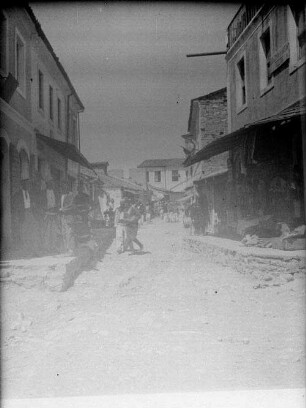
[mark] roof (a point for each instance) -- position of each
(115, 182)
(55, 57)
(227, 142)
(161, 163)
(65, 149)
(100, 165)
(213, 95)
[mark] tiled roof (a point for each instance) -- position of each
(296, 109)
(99, 165)
(212, 95)
(162, 163)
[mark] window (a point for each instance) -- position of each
(265, 77)
(296, 23)
(59, 113)
(40, 90)
(157, 176)
(20, 62)
(147, 176)
(175, 175)
(74, 131)
(3, 42)
(241, 83)
(51, 102)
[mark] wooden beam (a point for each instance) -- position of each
(204, 54)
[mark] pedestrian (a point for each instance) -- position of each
(132, 220)
(204, 213)
(109, 213)
(120, 216)
(102, 198)
(66, 209)
(195, 215)
(148, 213)
(28, 225)
(39, 200)
(82, 204)
(141, 210)
(52, 233)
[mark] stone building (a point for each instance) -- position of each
(207, 123)
(39, 110)
(266, 117)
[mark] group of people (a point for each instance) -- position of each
(128, 216)
(43, 217)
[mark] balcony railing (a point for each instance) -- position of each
(240, 21)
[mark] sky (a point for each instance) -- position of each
(127, 62)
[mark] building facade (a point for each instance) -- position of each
(266, 119)
(207, 123)
(266, 79)
(39, 110)
(163, 174)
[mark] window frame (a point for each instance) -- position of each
(157, 173)
(59, 113)
(264, 61)
(296, 60)
(41, 91)
(4, 25)
(21, 88)
(74, 130)
(177, 175)
(51, 104)
(238, 82)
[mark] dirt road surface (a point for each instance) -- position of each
(165, 320)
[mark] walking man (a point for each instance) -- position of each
(121, 232)
(132, 220)
(67, 218)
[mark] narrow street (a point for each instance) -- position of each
(161, 321)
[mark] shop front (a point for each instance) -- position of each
(263, 192)
(211, 193)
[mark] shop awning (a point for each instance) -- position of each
(65, 149)
(236, 138)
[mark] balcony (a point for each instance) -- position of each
(240, 21)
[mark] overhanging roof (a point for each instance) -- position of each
(161, 163)
(115, 182)
(227, 142)
(65, 149)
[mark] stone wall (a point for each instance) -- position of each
(212, 110)
(263, 263)
(56, 273)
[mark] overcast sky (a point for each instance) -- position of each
(127, 62)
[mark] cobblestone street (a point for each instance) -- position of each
(161, 321)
